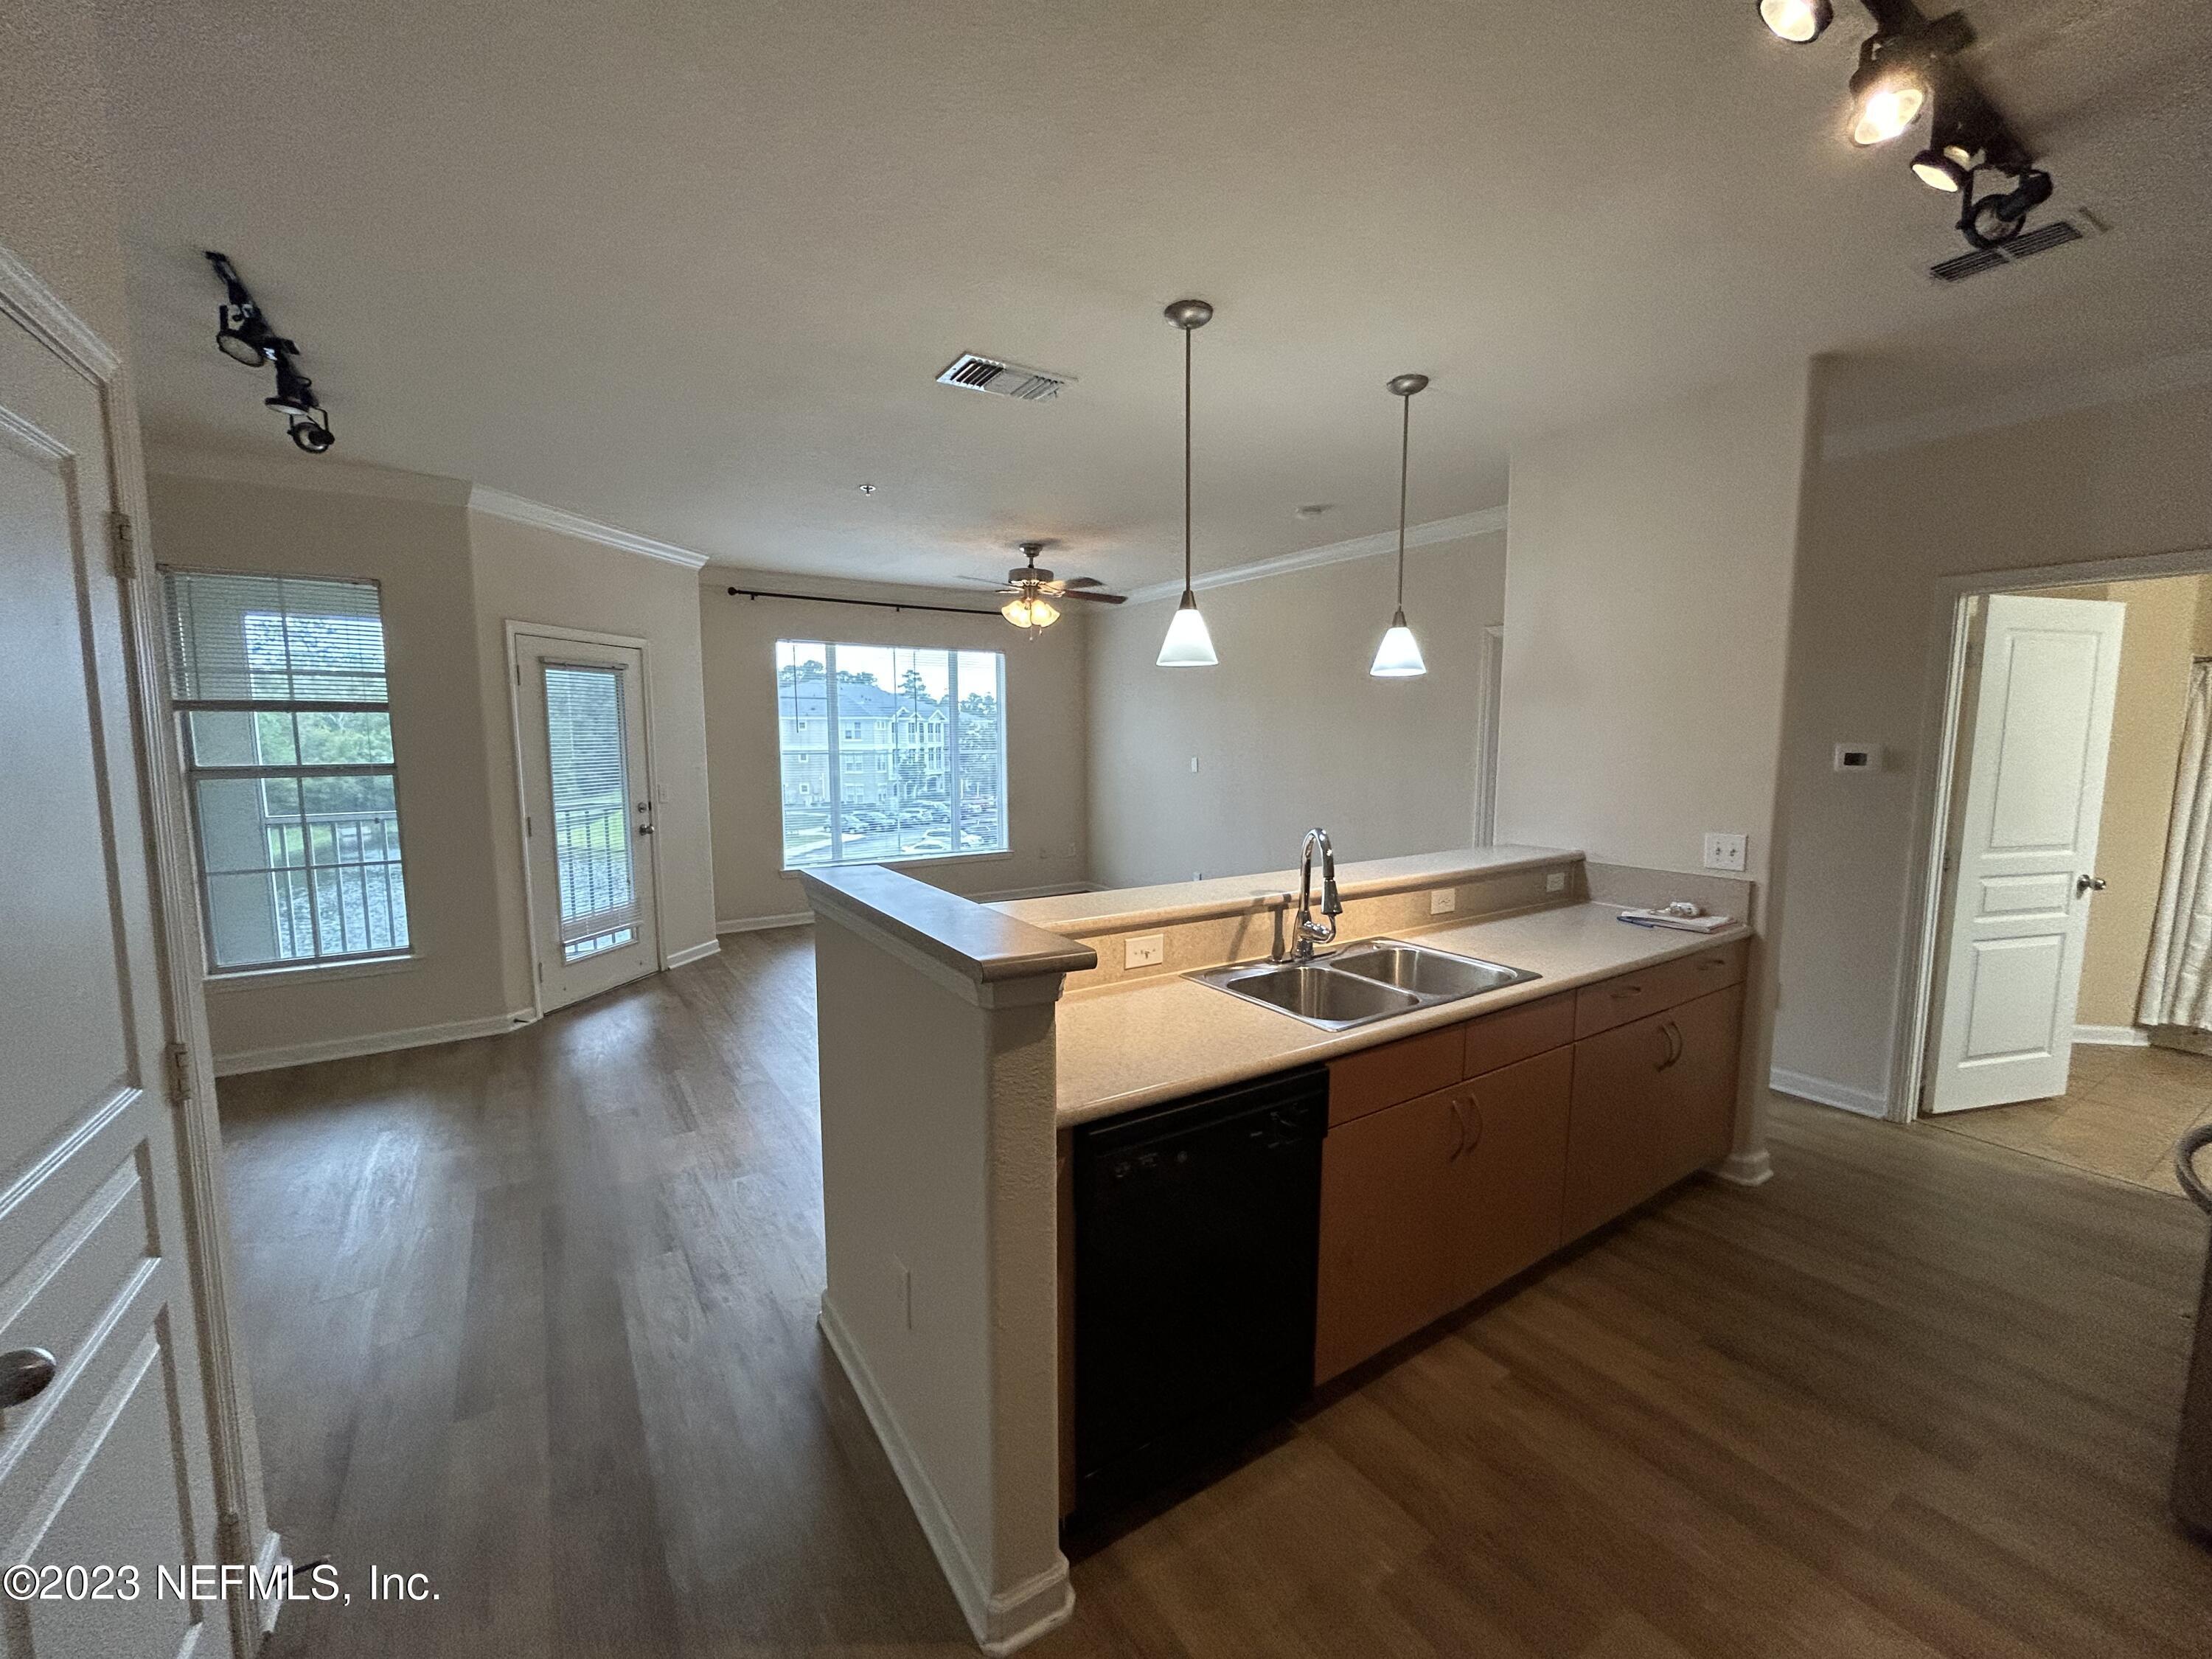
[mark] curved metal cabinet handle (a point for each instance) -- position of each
(24, 1374)
(2184, 1165)
(1670, 1035)
(1474, 1108)
(1460, 1119)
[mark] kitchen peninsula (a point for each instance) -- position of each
(974, 1057)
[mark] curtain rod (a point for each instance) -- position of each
(879, 605)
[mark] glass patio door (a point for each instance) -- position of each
(588, 807)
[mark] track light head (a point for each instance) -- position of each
(295, 393)
(1950, 168)
(1888, 91)
(1989, 221)
(1797, 21)
(242, 335)
(311, 433)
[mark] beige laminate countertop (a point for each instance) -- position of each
(1127, 1046)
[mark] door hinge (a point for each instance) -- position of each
(517, 673)
(529, 827)
(541, 973)
(123, 546)
(177, 1071)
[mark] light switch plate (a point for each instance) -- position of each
(1143, 950)
(1443, 901)
(1859, 757)
(1556, 882)
(1724, 850)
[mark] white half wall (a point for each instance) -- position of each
(1288, 730)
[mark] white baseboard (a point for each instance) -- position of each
(691, 953)
(1003, 1622)
(375, 1042)
(2113, 1036)
(1745, 1168)
(1865, 1101)
(271, 1570)
(762, 924)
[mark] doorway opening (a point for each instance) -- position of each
(2067, 944)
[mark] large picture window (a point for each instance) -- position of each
(890, 753)
(285, 723)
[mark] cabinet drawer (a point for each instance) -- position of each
(1616, 1001)
(1500, 1039)
(1375, 1077)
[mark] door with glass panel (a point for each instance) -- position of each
(587, 814)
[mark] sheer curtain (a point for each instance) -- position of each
(2177, 987)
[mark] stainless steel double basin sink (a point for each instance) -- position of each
(1363, 983)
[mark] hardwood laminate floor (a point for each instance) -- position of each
(2122, 1112)
(534, 1316)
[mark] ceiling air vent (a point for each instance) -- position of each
(2025, 245)
(1002, 379)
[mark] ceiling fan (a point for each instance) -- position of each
(1035, 593)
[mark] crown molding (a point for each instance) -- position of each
(297, 471)
(516, 510)
(26, 297)
(2093, 390)
(1484, 522)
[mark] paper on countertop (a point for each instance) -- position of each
(1686, 924)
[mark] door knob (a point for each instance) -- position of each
(24, 1374)
(2088, 884)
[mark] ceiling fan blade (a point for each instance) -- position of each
(1095, 597)
(1083, 582)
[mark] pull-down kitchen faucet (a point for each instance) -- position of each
(1310, 933)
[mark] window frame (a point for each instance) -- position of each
(833, 762)
(340, 965)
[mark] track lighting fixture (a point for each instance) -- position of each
(244, 334)
(1908, 71)
(1187, 644)
(1797, 21)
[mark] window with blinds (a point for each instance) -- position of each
(284, 719)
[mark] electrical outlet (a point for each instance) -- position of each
(1443, 901)
(1143, 950)
(1724, 851)
(1556, 882)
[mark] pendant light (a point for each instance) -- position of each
(1398, 656)
(1187, 644)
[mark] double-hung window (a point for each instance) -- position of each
(890, 753)
(284, 719)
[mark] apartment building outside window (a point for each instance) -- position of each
(890, 752)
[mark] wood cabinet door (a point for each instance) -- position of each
(1390, 1202)
(1701, 1085)
(1512, 1178)
(1618, 1139)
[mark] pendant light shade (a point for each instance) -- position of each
(1398, 656)
(1187, 644)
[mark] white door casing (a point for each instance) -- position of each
(2026, 844)
(109, 1463)
(590, 864)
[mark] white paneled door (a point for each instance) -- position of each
(2040, 720)
(104, 1428)
(587, 813)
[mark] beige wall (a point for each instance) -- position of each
(417, 550)
(527, 573)
(1289, 730)
(1647, 601)
(1869, 632)
(1647, 605)
(2156, 648)
(59, 199)
(1045, 779)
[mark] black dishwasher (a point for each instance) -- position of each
(1197, 1238)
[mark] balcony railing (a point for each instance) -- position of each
(334, 885)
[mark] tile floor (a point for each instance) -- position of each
(2120, 1116)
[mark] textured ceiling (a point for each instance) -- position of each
(689, 268)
